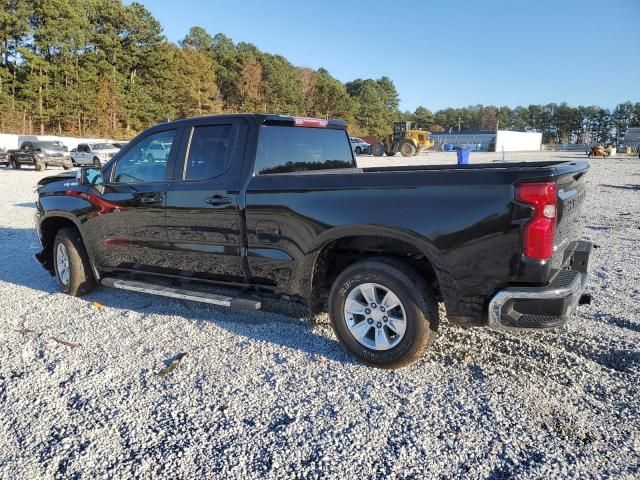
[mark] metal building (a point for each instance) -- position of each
(474, 140)
(632, 138)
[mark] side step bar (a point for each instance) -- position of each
(234, 303)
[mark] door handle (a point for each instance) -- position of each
(218, 200)
(151, 198)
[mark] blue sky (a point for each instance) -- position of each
(442, 54)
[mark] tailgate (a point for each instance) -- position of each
(571, 188)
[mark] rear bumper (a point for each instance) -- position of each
(538, 308)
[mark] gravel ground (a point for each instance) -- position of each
(272, 394)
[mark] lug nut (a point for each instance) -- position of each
(379, 325)
(373, 305)
(367, 311)
(385, 319)
(369, 321)
(382, 309)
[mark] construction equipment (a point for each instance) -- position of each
(404, 139)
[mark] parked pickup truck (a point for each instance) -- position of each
(278, 206)
(40, 154)
(93, 153)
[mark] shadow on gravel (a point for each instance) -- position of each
(275, 324)
(279, 322)
(628, 186)
(617, 321)
(18, 264)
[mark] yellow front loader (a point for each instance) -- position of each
(404, 139)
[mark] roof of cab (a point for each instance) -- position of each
(264, 119)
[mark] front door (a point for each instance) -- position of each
(202, 202)
(129, 230)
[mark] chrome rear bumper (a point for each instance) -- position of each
(537, 308)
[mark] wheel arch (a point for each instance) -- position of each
(343, 246)
(49, 227)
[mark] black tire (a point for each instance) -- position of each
(408, 149)
(14, 164)
(66, 167)
(96, 162)
(421, 310)
(40, 166)
(377, 149)
(358, 150)
(81, 280)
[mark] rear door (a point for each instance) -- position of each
(129, 230)
(202, 202)
(81, 155)
(26, 154)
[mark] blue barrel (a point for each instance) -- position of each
(463, 156)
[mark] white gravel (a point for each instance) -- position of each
(273, 395)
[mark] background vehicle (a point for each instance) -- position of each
(119, 144)
(40, 154)
(3, 157)
(157, 152)
(258, 202)
(404, 139)
(93, 153)
(599, 151)
(359, 146)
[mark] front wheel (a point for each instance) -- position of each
(14, 164)
(71, 263)
(383, 312)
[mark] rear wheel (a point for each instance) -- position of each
(383, 312)
(377, 149)
(14, 163)
(408, 149)
(358, 150)
(71, 263)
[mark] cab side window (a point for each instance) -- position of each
(209, 153)
(147, 160)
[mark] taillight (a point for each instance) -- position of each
(539, 232)
(310, 122)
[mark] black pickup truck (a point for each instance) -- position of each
(40, 154)
(276, 205)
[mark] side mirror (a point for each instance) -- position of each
(89, 176)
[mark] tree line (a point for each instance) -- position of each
(102, 68)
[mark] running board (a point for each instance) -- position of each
(234, 303)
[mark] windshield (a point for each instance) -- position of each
(101, 146)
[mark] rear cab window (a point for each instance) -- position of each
(287, 149)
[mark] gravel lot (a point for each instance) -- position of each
(272, 394)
